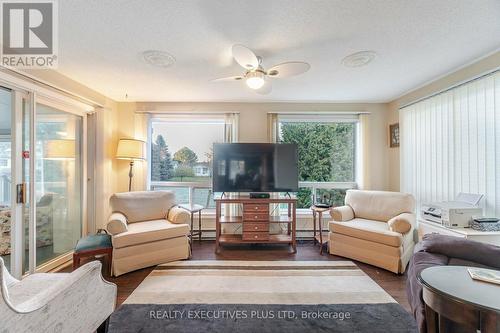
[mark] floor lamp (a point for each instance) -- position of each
(131, 150)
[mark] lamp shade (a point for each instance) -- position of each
(130, 149)
(60, 149)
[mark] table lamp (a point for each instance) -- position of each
(132, 150)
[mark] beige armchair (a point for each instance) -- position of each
(374, 227)
(147, 229)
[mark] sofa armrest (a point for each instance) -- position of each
(402, 223)
(342, 213)
(117, 223)
(462, 248)
(178, 215)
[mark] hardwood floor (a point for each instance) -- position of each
(392, 283)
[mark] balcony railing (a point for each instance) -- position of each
(201, 192)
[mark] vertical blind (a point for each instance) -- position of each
(450, 143)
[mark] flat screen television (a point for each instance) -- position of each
(255, 167)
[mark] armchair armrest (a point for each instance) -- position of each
(87, 279)
(342, 213)
(402, 223)
(178, 215)
(75, 302)
(117, 223)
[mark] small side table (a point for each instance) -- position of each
(450, 293)
(193, 209)
(321, 234)
(92, 246)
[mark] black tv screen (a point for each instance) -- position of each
(255, 167)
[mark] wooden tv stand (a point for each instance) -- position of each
(256, 221)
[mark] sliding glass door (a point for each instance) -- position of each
(14, 179)
(5, 175)
(58, 188)
(41, 181)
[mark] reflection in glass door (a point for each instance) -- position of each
(58, 188)
(14, 178)
(5, 175)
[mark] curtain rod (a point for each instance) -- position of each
(319, 113)
(37, 81)
(480, 76)
(187, 113)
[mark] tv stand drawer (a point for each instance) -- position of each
(255, 208)
(257, 217)
(256, 236)
(254, 227)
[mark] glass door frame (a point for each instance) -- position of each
(61, 106)
(34, 93)
(17, 175)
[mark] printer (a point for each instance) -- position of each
(453, 214)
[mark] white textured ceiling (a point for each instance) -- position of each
(416, 41)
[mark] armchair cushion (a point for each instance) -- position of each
(379, 205)
(149, 231)
(402, 223)
(342, 213)
(178, 215)
(117, 224)
(369, 230)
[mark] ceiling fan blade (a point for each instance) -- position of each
(288, 69)
(265, 89)
(228, 79)
(245, 57)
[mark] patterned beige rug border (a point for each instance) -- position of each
(258, 282)
(258, 265)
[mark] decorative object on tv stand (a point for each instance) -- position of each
(133, 150)
(394, 135)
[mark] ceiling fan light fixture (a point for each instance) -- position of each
(255, 80)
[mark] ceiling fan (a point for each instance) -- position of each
(255, 76)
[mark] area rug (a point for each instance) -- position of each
(260, 296)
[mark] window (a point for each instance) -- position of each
(327, 148)
(181, 154)
(450, 143)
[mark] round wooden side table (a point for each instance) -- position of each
(318, 216)
(451, 294)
